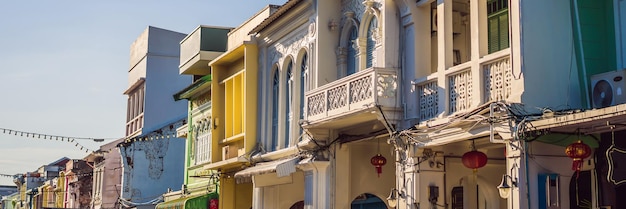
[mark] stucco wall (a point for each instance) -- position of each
(154, 166)
(163, 80)
(486, 180)
(554, 68)
(355, 174)
(112, 177)
(549, 159)
(284, 195)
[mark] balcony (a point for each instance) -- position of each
(181, 132)
(201, 46)
(134, 125)
(465, 86)
(352, 99)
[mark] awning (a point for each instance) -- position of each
(282, 167)
(595, 121)
(200, 201)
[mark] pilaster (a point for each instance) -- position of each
(321, 184)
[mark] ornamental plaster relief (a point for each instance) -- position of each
(355, 6)
(358, 8)
(291, 46)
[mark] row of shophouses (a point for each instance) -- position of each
(368, 104)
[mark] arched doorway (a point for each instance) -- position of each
(580, 190)
(486, 195)
(297, 205)
(368, 201)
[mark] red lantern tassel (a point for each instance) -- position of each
(577, 165)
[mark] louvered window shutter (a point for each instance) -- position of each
(498, 25)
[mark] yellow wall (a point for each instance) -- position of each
(234, 101)
(60, 194)
(233, 195)
(251, 98)
(234, 105)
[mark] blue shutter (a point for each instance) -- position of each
(275, 94)
(308, 188)
(371, 42)
(303, 84)
(288, 108)
(352, 52)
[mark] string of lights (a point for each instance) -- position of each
(151, 137)
(68, 139)
(49, 136)
(6, 175)
(66, 175)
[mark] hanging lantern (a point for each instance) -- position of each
(578, 151)
(378, 161)
(474, 160)
(213, 204)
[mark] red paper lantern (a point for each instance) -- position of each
(474, 159)
(578, 151)
(213, 204)
(378, 161)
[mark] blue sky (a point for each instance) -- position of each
(63, 68)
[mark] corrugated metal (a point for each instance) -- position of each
(284, 166)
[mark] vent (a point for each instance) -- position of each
(607, 89)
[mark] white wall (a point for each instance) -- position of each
(284, 195)
(355, 174)
(548, 159)
(548, 71)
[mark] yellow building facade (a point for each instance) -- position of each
(234, 110)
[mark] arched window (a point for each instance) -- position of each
(288, 103)
(275, 99)
(371, 35)
(352, 52)
(304, 74)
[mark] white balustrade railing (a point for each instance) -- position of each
(460, 90)
(428, 99)
(497, 78)
(353, 93)
(462, 82)
(134, 125)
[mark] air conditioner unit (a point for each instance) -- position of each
(607, 89)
